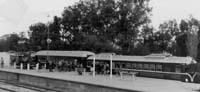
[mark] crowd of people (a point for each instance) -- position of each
(62, 65)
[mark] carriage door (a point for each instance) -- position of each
(178, 69)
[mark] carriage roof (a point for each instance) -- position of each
(145, 59)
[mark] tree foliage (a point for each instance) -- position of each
(38, 36)
(9, 42)
(113, 23)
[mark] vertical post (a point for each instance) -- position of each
(21, 66)
(93, 66)
(28, 66)
(14, 65)
(45, 66)
(111, 66)
(48, 40)
(37, 66)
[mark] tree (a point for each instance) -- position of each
(164, 38)
(132, 17)
(113, 22)
(55, 35)
(192, 37)
(181, 39)
(9, 42)
(38, 36)
(189, 39)
(22, 43)
(192, 41)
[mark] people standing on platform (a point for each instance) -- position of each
(67, 66)
(98, 69)
(64, 66)
(2, 62)
(60, 65)
(47, 64)
(73, 66)
(104, 69)
(101, 67)
(50, 66)
(107, 68)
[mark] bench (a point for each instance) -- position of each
(81, 71)
(127, 72)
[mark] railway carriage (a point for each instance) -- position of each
(155, 65)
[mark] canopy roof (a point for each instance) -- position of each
(145, 59)
(65, 53)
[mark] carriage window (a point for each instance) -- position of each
(117, 65)
(159, 67)
(134, 65)
(123, 65)
(128, 65)
(178, 69)
(152, 67)
(113, 65)
(146, 66)
(139, 66)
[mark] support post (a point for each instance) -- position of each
(37, 66)
(14, 65)
(28, 66)
(110, 66)
(45, 66)
(93, 66)
(21, 66)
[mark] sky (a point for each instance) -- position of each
(17, 15)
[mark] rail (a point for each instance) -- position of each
(18, 87)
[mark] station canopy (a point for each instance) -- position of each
(145, 59)
(64, 53)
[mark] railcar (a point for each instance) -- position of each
(163, 66)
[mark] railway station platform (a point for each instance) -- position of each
(72, 82)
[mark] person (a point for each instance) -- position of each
(107, 68)
(98, 69)
(50, 66)
(104, 69)
(60, 65)
(2, 62)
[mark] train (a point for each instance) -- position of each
(163, 66)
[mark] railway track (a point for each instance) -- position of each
(18, 87)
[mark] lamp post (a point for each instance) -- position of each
(48, 40)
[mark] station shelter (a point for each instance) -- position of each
(71, 58)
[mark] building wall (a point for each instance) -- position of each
(6, 57)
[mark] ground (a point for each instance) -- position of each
(140, 83)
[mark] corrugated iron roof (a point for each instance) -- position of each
(64, 53)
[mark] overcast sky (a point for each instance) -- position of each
(18, 15)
